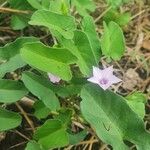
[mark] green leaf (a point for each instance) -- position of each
(61, 90)
(89, 28)
(37, 87)
(80, 47)
(83, 6)
(35, 4)
(39, 4)
(78, 137)
(72, 89)
(10, 55)
(41, 111)
(65, 25)
(52, 134)
(11, 91)
(137, 102)
(87, 55)
(121, 19)
(32, 145)
(45, 4)
(19, 20)
(116, 3)
(49, 59)
(55, 6)
(61, 7)
(112, 41)
(65, 116)
(112, 119)
(9, 120)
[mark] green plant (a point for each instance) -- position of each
(76, 49)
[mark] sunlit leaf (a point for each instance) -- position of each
(49, 59)
(112, 41)
(65, 25)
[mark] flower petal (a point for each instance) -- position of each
(53, 78)
(105, 86)
(113, 79)
(97, 72)
(93, 80)
(107, 72)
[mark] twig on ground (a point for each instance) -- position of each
(16, 145)
(102, 14)
(10, 10)
(26, 116)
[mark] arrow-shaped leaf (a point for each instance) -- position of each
(112, 118)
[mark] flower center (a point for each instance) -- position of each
(103, 81)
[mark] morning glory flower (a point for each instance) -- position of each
(104, 78)
(53, 78)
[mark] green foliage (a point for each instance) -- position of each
(137, 102)
(121, 19)
(72, 89)
(41, 111)
(87, 55)
(76, 48)
(112, 118)
(80, 47)
(60, 7)
(49, 59)
(37, 87)
(32, 145)
(89, 29)
(10, 55)
(55, 137)
(43, 4)
(65, 116)
(76, 138)
(84, 6)
(11, 91)
(8, 119)
(112, 41)
(35, 4)
(63, 24)
(20, 20)
(116, 3)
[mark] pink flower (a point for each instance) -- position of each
(104, 78)
(53, 78)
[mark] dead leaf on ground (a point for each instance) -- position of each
(131, 80)
(146, 44)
